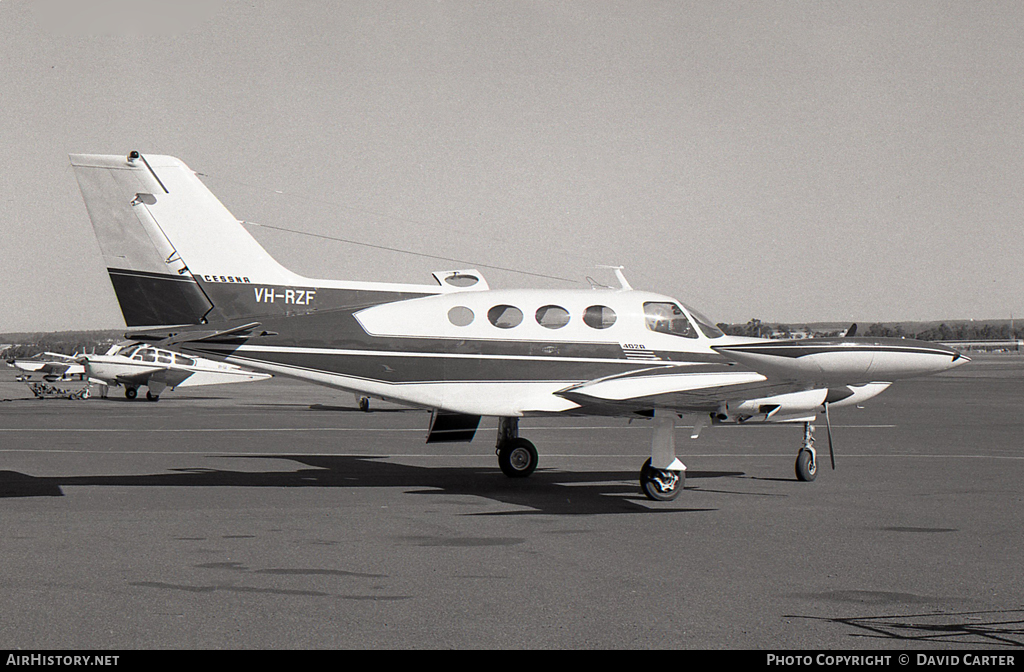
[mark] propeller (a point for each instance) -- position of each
(828, 428)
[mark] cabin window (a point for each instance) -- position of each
(148, 356)
(460, 316)
(552, 317)
(599, 317)
(164, 358)
(505, 317)
(184, 361)
(668, 318)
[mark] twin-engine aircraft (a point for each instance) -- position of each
(134, 365)
(188, 276)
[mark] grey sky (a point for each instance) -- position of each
(791, 161)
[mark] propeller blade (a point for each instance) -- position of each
(828, 428)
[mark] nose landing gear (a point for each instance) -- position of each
(807, 458)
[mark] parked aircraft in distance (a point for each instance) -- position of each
(52, 366)
(134, 365)
(190, 277)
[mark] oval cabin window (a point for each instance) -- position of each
(505, 317)
(599, 317)
(552, 317)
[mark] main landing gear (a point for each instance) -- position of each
(131, 392)
(517, 457)
(662, 477)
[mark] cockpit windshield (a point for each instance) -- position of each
(668, 318)
(706, 325)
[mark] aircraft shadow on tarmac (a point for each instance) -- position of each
(546, 492)
(995, 628)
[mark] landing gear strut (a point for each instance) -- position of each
(663, 476)
(807, 458)
(517, 457)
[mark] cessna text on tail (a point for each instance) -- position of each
(189, 276)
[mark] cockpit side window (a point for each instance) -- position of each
(668, 318)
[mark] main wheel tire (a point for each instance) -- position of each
(517, 458)
(152, 397)
(659, 484)
(131, 392)
(806, 466)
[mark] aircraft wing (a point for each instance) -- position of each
(770, 380)
(166, 377)
(171, 377)
(57, 368)
(136, 378)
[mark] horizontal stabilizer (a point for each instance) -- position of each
(167, 337)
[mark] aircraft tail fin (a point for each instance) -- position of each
(161, 231)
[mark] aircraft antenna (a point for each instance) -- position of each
(401, 251)
(373, 245)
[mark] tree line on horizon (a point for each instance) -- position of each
(956, 331)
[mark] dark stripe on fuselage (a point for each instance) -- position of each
(397, 368)
(326, 337)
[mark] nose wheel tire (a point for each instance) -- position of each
(659, 484)
(131, 392)
(806, 466)
(517, 458)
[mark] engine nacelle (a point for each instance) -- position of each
(840, 361)
(796, 406)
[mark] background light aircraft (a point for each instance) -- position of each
(190, 277)
(134, 365)
(52, 366)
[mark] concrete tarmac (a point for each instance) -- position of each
(278, 515)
